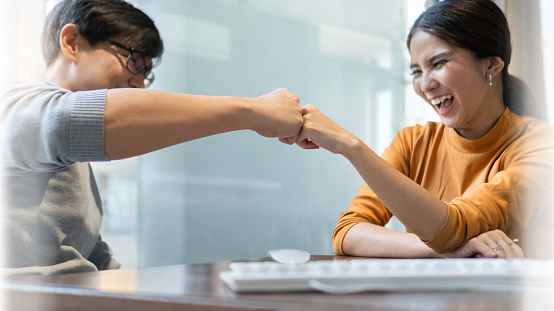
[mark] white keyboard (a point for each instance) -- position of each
(347, 276)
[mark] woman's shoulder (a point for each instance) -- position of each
(428, 130)
(529, 126)
(530, 134)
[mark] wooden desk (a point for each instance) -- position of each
(198, 287)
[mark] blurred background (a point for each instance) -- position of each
(238, 195)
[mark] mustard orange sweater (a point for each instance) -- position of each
(500, 181)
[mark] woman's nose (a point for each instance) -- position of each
(428, 83)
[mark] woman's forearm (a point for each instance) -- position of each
(369, 240)
(413, 205)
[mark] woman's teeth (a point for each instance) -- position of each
(441, 99)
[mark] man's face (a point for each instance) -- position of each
(104, 66)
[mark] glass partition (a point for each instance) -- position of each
(237, 195)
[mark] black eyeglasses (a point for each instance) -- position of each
(136, 62)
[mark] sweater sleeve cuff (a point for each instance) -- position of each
(443, 241)
(86, 128)
(338, 237)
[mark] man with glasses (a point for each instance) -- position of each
(94, 107)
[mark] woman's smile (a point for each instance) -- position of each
(443, 104)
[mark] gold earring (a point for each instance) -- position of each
(490, 79)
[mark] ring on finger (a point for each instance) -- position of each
(497, 248)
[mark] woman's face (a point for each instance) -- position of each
(454, 83)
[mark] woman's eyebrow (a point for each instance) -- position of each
(437, 56)
(433, 58)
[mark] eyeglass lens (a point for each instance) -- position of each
(136, 64)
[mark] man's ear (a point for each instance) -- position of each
(70, 41)
(495, 64)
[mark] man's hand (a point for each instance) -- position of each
(278, 114)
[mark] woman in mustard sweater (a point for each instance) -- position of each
(468, 185)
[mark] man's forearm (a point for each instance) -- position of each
(139, 121)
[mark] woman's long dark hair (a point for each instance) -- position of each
(480, 27)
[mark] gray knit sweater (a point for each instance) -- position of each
(51, 209)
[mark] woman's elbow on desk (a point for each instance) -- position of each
(370, 240)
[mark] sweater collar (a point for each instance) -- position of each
(494, 137)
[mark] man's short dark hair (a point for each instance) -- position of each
(98, 20)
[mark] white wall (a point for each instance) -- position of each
(547, 43)
(528, 63)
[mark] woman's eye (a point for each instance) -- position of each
(415, 72)
(440, 62)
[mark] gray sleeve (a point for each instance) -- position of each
(102, 257)
(86, 127)
(46, 128)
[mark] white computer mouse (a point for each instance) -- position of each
(289, 256)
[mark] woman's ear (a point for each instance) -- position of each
(495, 64)
(69, 42)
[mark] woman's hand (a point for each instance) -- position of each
(320, 131)
(490, 244)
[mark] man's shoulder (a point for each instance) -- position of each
(19, 95)
(20, 88)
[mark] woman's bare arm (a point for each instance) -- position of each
(421, 212)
